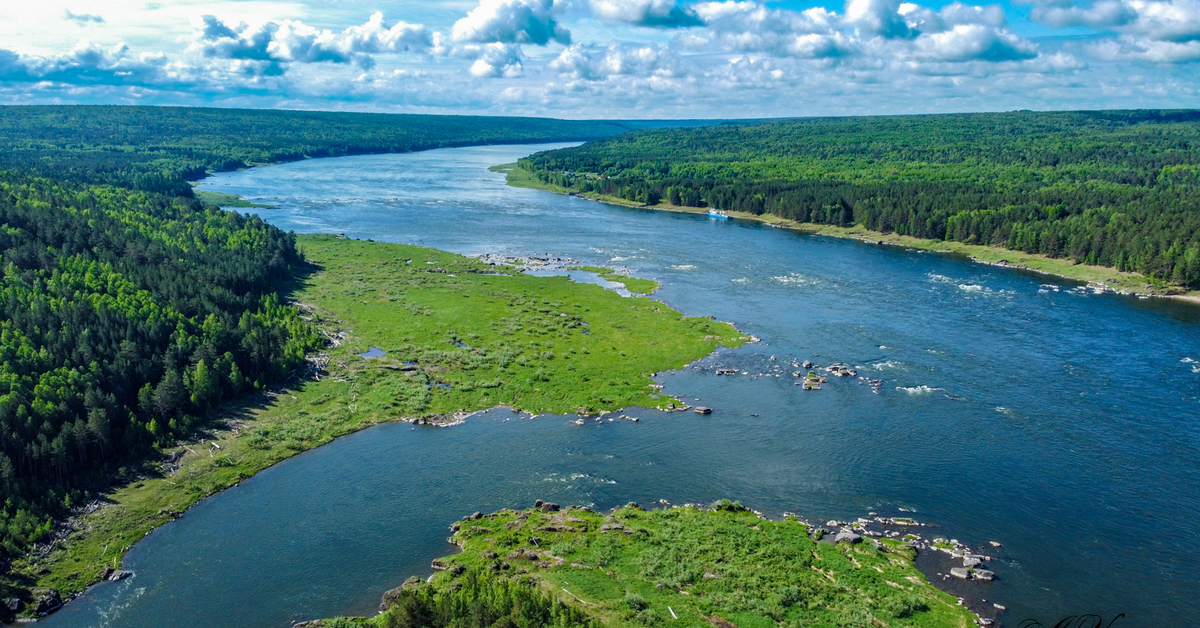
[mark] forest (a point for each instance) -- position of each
(1111, 188)
(130, 310)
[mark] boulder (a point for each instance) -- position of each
(46, 601)
(971, 561)
(549, 507)
(847, 536)
(984, 574)
(118, 574)
(13, 604)
(961, 572)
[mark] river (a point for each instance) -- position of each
(1014, 408)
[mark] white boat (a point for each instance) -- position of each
(718, 214)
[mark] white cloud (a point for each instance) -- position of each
(745, 26)
(1160, 31)
(878, 17)
(512, 22)
(494, 60)
(971, 42)
(656, 13)
(82, 19)
(578, 62)
(292, 41)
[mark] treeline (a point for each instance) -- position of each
(128, 310)
(160, 149)
(1119, 189)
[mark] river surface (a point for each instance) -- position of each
(1014, 408)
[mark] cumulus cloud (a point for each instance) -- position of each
(82, 19)
(88, 64)
(291, 41)
(579, 62)
(878, 17)
(512, 22)
(1161, 31)
(971, 42)
(746, 26)
(494, 60)
(655, 13)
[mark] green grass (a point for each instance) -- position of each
(221, 199)
(705, 567)
(525, 347)
(635, 285)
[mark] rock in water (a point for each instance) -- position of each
(984, 574)
(961, 572)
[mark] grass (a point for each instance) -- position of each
(221, 199)
(696, 568)
(475, 340)
(1112, 278)
(636, 285)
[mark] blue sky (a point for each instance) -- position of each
(605, 58)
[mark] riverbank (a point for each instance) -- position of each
(1101, 278)
(688, 565)
(457, 335)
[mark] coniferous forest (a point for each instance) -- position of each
(129, 309)
(1112, 188)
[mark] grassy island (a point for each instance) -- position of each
(685, 566)
(635, 285)
(459, 336)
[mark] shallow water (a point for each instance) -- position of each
(1058, 422)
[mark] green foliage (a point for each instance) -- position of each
(695, 568)
(481, 599)
(1111, 188)
(129, 309)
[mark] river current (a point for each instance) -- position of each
(1014, 408)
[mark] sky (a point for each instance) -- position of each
(611, 59)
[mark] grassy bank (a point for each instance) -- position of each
(636, 285)
(221, 199)
(460, 336)
(686, 567)
(1111, 278)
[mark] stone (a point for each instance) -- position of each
(984, 574)
(549, 507)
(47, 600)
(971, 561)
(846, 536)
(477, 515)
(118, 574)
(961, 572)
(490, 555)
(439, 564)
(538, 503)
(13, 604)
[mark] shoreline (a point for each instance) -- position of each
(232, 447)
(1098, 278)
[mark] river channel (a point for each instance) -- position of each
(1014, 408)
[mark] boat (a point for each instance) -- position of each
(718, 214)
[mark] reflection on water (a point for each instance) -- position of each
(1058, 422)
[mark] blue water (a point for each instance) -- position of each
(1060, 423)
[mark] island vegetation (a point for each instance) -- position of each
(1118, 189)
(134, 312)
(685, 566)
(458, 335)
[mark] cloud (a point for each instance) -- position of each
(878, 17)
(655, 13)
(82, 19)
(1102, 14)
(292, 41)
(512, 22)
(88, 64)
(494, 60)
(578, 62)
(741, 26)
(975, 42)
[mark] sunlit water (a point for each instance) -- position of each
(1060, 423)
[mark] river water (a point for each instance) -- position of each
(1058, 422)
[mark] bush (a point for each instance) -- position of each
(635, 602)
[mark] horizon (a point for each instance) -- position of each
(608, 59)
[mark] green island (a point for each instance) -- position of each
(685, 566)
(459, 336)
(1101, 196)
(221, 199)
(635, 285)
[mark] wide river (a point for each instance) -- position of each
(1014, 408)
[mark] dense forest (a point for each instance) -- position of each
(1114, 188)
(129, 309)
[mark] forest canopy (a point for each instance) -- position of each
(1113, 188)
(128, 309)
